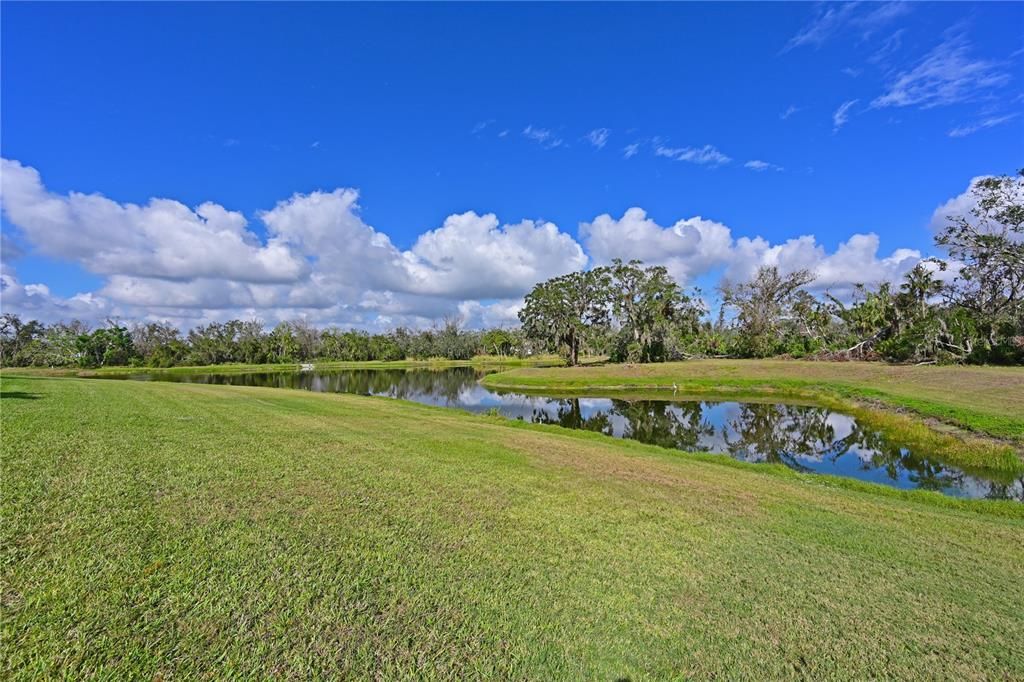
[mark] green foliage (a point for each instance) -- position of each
(106, 346)
(989, 244)
(768, 310)
(629, 312)
(650, 309)
(562, 311)
(501, 341)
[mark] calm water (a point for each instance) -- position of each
(802, 437)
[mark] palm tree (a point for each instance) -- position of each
(919, 285)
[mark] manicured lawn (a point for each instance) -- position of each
(173, 531)
(986, 399)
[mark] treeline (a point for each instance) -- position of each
(158, 344)
(639, 314)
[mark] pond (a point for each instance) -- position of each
(803, 437)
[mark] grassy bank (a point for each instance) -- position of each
(156, 530)
(989, 400)
(429, 363)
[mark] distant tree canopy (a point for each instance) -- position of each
(631, 312)
(158, 344)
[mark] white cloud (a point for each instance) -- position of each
(37, 302)
(989, 122)
(481, 126)
(842, 115)
(831, 19)
(881, 14)
(826, 22)
(706, 155)
(961, 205)
(955, 207)
(598, 137)
(631, 150)
(325, 227)
(164, 238)
(689, 248)
(471, 256)
(205, 265)
(759, 166)
(694, 247)
(884, 54)
(542, 136)
(505, 313)
(790, 110)
(855, 261)
(946, 75)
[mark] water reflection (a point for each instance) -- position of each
(806, 438)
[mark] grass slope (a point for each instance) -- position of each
(989, 400)
(157, 530)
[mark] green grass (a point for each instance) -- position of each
(230, 368)
(989, 400)
(161, 530)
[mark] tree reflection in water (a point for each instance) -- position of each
(802, 437)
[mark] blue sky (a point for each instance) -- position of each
(769, 121)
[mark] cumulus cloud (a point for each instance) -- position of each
(163, 238)
(695, 246)
(855, 261)
(961, 205)
(688, 248)
(471, 256)
(36, 301)
(326, 228)
(503, 313)
(319, 257)
(954, 207)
